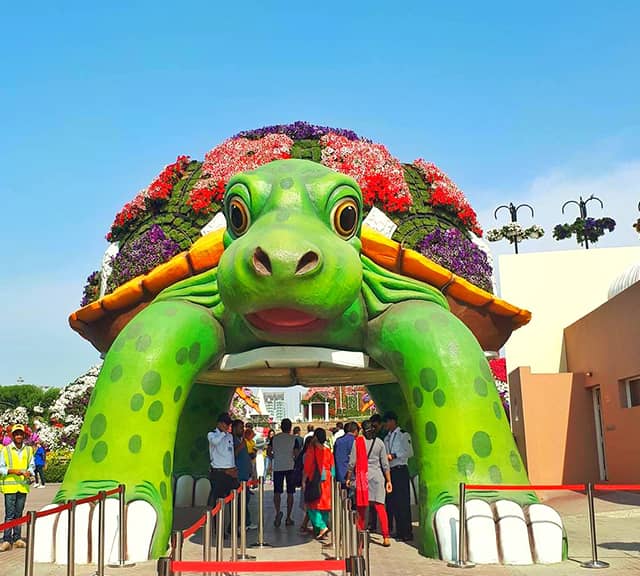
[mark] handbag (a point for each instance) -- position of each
(312, 487)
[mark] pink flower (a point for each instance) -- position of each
(232, 156)
(379, 175)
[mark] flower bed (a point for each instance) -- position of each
(444, 192)
(186, 195)
(156, 194)
(451, 249)
(140, 256)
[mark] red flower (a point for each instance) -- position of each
(158, 191)
(499, 368)
(445, 194)
(231, 157)
(379, 175)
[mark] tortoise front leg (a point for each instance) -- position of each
(129, 431)
(460, 432)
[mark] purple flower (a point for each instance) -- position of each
(141, 255)
(453, 250)
(297, 131)
(91, 289)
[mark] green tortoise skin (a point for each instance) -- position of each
(292, 273)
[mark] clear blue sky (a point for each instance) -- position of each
(535, 102)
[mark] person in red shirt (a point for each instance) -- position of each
(319, 457)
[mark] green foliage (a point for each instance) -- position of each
(26, 395)
(177, 219)
(57, 464)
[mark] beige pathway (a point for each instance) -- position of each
(618, 537)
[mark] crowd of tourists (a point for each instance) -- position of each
(368, 460)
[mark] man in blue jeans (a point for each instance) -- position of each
(16, 471)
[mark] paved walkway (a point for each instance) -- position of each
(618, 536)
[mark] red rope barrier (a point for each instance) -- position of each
(194, 527)
(13, 523)
(87, 500)
(216, 509)
(112, 492)
(263, 566)
(578, 487)
(229, 498)
(609, 487)
(55, 510)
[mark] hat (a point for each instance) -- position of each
(389, 415)
(17, 428)
(225, 418)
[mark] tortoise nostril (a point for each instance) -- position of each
(261, 262)
(307, 263)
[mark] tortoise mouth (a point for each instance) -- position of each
(285, 320)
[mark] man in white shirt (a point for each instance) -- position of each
(223, 473)
(399, 450)
(285, 449)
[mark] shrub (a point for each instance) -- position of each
(57, 464)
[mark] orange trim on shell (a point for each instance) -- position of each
(206, 251)
(415, 265)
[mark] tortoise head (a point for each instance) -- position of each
(292, 249)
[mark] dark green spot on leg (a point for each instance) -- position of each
(177, 394)
(439, 398)
(480, 387)
(430, 432)
(515, 461)
(134, 330)
(397, 358)
(497, 410)
(82, 443)
(428, 379)
(466, 465)
(481, 444)
(417, 397)
(495, 474)
(421, 325)
(98, 426)
(143, 342)
(163, 490)
(135, 444)
(155, 411)
(151, 382)
(166, 463)
(118, 345)
(116, 373)
(182, 355)
(194, 352)
(99, 452)
(137, 400)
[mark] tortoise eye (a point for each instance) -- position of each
(345, 217)
(239, 219)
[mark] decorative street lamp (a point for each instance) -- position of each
(585, 228)
(513, 232)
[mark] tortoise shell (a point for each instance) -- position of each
(489, 318)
